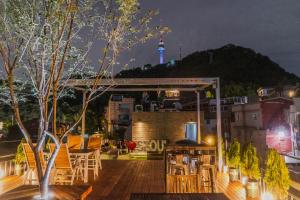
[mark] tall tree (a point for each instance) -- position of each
(41, 48)
(277, 177)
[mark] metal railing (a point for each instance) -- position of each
(7, 162)
(7, 165)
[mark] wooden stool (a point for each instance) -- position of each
(176, 168)
(206, 178)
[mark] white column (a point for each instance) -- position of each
(198, 117)
(83, 115)
(219, 125)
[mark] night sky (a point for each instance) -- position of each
(270, 27)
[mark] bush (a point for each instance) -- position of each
(233, 155)
(277, 175)
(250, 163)
(20, 156)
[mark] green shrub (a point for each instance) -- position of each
(233, 154)
(250, 162)
(20, 156)
(277, 175)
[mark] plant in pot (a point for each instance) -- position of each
(250, 168)
(233, 158)
(276, 175)
(20, 158)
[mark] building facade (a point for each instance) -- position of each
(264, 123)
(119, 112)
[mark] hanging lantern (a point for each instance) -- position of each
(172, 93)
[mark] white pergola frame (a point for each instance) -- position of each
(158, 84)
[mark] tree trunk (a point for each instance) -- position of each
(44, 183)
(44, 188)
(38, 165)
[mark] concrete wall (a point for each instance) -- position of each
(162, 125)
(257, 137)
(248, 115)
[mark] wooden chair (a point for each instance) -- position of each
(179, 166)
(206, 179)
(75, 141)
(63, 167)
(183, 183)
(179, 159)
(31, 163)
(206, 159)
(94, 160)
(94, 142)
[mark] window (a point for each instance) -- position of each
(254, 116)
(116, 97)
(124, 106)
(237, 117)
(124, 119)
(232, 117)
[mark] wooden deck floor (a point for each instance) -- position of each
(10, 183)
(119, 178)
(56, 192)
(234, 191)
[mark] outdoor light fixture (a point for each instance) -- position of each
(266, 196)
(281, 134)
(210, 140)
(50, 195)
(281, 131)
(291, 93)
(244, 180)
(225, 168)
(172, 93)
(1, 173)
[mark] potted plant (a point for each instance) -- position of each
(250, 168)
(276, 175)
(233, 158)
(19, 159)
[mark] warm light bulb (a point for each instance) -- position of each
(244, 180)
(225, 168)
(291, 93)
(266, 196)
(210, 140)
(280, 133)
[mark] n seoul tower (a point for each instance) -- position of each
(161, 50)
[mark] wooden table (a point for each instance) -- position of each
(83, 154)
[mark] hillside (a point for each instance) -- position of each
(240, 69)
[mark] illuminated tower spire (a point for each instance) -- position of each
(161, 49)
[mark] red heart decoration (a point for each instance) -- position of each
(131, 145)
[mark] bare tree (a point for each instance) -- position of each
(44, 43)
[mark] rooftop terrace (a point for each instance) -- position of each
(119, 178)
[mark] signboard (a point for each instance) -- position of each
(151, 145)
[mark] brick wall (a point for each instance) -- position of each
(162, 125)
